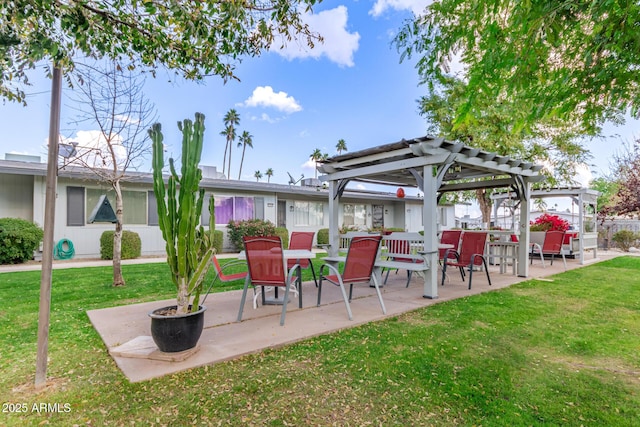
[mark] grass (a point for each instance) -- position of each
(561, 352)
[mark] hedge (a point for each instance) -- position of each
(131, 245)
(19, 238)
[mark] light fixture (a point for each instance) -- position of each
(291, 208)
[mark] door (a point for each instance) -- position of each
(377, 216)
(282, 213)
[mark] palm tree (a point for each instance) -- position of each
(315, 156)
(269, 174)
(229, 133)
(231, 120)
(258, 175)
(246, 139)
(341, 146)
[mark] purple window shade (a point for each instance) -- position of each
(244, 208)
(223, 209)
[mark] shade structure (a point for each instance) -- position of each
(434, 166)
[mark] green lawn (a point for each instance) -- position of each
(564, 352)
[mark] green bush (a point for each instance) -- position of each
(323, 236)
(624, 239)
(251, 227)
(131, 245)
(218, 239)
(284, 235)
(19, 238)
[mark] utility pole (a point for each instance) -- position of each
(49, 222)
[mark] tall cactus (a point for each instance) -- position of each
(189, 248)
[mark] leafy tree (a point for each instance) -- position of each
(341, 146)
(627, 172)
(257, 175)
(575, 60)
(194, 38)
(246, 140)
(549, 142)
(269, 174)
(608, 188)
(231, 120)
(113, 100)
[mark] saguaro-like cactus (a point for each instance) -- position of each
(189, 248)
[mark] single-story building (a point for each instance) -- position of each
(297, 207)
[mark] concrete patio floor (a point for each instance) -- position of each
(125, 330)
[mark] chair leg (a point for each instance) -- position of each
(486, 270)
(244, 296)
(313, 271)
(375, 284)
(409, 274)
(299, 286)
(444, 271)
(346, 300)
(387, 276)
(284, 304)
(319, 291)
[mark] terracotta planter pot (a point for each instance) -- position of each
(174, 333)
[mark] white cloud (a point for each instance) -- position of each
(93, 150)
(415, 6)
(309, 164)
(339, 44)
(264, 96)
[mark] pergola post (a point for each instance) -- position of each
(334, 237)
(429, 220)
(524, 239)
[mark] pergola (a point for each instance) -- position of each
(582, 197)
(435, 166)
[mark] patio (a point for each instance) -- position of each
(225, 339)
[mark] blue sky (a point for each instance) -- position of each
(352, 87)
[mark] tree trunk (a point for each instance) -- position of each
(484, 200)
(118, 280)
(241, 162)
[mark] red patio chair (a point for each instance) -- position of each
(449, 237)
(358, 268)
(302, 240)
(472, 245)
(267, 267)
(552, 245)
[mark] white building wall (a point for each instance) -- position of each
(16, 197)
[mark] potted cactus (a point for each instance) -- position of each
(189, 247)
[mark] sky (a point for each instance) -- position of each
(351, 87)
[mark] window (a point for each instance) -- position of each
(75, 206)
(308, 213)
(234, 208)
(152, 208)
(134, 204)
(354, 215)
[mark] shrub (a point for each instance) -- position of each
(624, 239)
(284, 235)
(218, 239)
(131, 245)
(19, 238)
(546, 222)
(251, 227)
(323, 236)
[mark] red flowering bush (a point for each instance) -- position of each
(546, 222)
